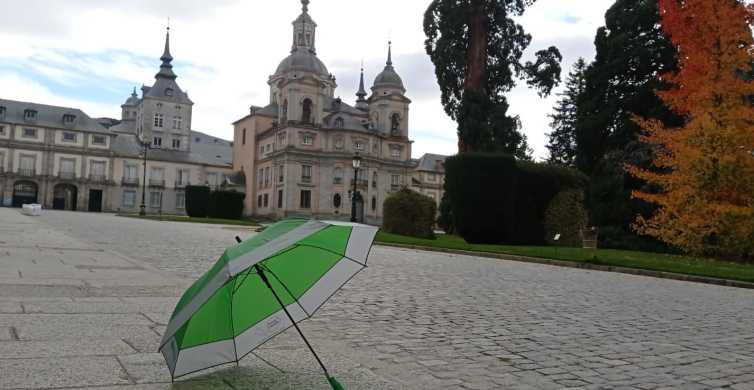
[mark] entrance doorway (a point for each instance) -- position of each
(95, 201)
(65, 197)
(24, 192)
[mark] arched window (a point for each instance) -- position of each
(336, 201)
(306, 113)
(374, 203)
(339, 123)
(395, 123)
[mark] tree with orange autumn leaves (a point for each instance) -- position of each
(704, 170)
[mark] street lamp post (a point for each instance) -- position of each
(143, 207)
(356, 165)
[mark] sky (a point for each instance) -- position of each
(90, 54)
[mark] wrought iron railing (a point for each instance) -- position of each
(25, 172)
(97, 178)
(67, 175)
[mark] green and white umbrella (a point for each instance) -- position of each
(261, 287)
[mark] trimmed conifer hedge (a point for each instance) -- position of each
(226, 204)
(495, 199)
(197, 201)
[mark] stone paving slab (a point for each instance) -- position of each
(412, 320)
(49, 373)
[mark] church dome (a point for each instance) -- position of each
(132, 100)
(388, 78)
(302, 61)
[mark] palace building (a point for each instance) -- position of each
(296, 151)
(64, 159)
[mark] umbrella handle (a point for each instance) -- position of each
(335, 384)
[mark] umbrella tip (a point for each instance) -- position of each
(335, 384)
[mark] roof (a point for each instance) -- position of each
(431, 163)
(49, 116)
(211, 148)
(302, 60)
(389, 78)
(128, 145)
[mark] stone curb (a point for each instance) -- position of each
(589, 266)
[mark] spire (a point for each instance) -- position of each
(166, 69)
(305, 6)
(389, 53)
(133, 94)
(361, 102)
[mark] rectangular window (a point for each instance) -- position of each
(155, 199)
(266, 200)
(28, 163)
(268, 148)
(29, 133)
(182, 177)
(261, 150)
(243, 137)
(69, 137)
(30, 115)
(395, 180)
(2, 162)
(260, 178)
(130, 171)
(176, 144)
(2, 129)
(267, 177)
(308, 140)
(129, 199)
(177, 122)
(280, 199)
(359, 145)
(180, 200)
(281, 173)
(212, 179)
(395, 152)
(306, 173)
(67, 168)
(281, 138)
(259, 201)
(306, 199)
(97, 170)
(431, 177)
(2, 112)
(158, 120)
(68, 119)
(157, 142)
(99, 140)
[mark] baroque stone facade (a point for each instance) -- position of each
(64, 159)
(296, 152)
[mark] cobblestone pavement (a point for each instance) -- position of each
(412, 320)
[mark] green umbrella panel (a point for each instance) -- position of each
(230, 310)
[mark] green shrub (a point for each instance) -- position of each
(481, 189)
(197, 201)
(226, 204)
(409, 213)
(566, 216)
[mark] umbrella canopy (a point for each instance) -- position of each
(254, 290)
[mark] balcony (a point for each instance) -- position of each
(97, 178)
(26, 172)
(130, 181)
(306, 179)
(157, 182)
(361, 183)
(181, 184)
(67, 175)
(337, 180)
(395, 187)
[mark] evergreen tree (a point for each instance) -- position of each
(477, 47)
(632, 51)
(562, 140)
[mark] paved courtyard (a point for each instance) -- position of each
(84, 299)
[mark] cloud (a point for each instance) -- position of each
(92, 53)
(570, 19)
